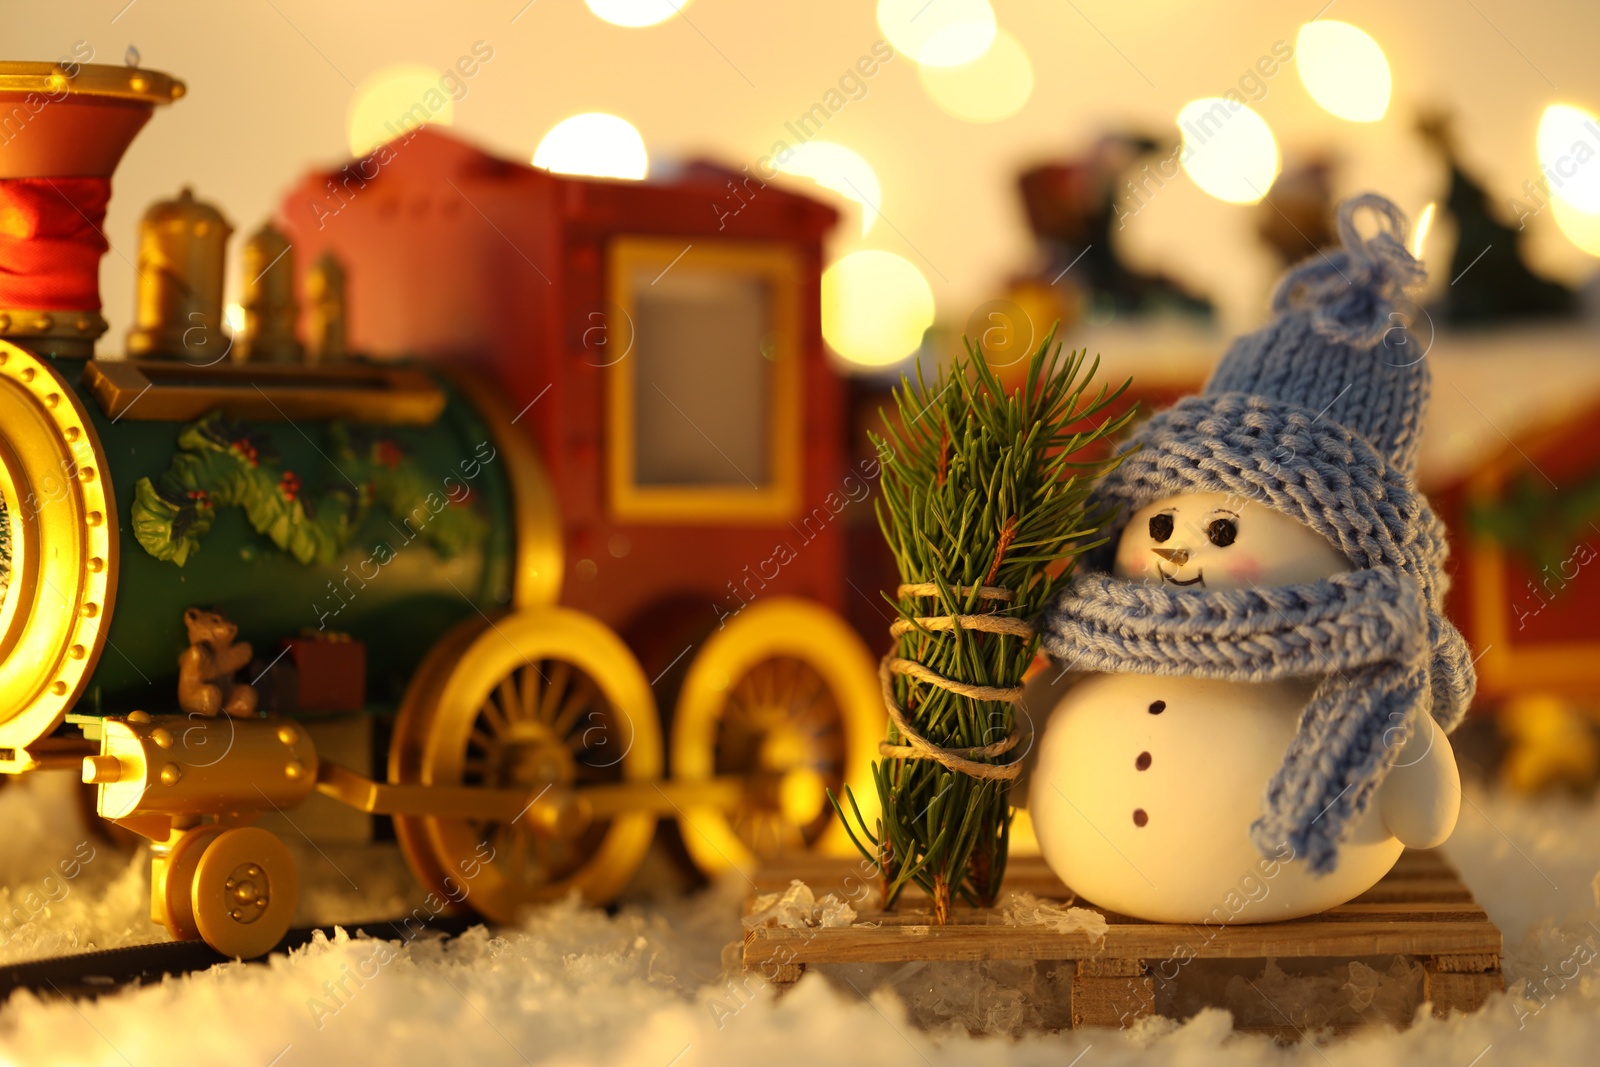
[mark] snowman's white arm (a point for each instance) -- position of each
(1421, 796)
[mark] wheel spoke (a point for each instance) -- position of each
(484, 742)
(578, 743)
(764, 676)
(786, 679)
(555, 691)
(497, 721)
(789, 672)
(820, 710)
(582, 695)
(530, 677)
(509, 702)
(809, 691)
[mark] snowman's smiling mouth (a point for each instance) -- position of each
(1198, 579)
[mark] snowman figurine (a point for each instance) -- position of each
(1263, 680)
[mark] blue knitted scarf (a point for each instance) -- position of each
(1364, 632)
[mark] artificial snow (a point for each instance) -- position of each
(649, 985)
(1025, 909)
(798, 908)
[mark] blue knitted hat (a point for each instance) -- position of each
(1336, 345)
(1318, 416)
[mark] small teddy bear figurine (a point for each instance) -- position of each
(206, 668)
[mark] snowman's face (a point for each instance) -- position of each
(1218, 541)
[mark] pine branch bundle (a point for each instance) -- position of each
(983, 499)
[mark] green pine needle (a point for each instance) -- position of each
(981, 487)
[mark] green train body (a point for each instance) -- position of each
(389, 586)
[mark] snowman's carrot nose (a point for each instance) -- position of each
(1175, 556)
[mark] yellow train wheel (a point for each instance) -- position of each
(244, 892)
(786, 686)
(172, 889)
(544, 697)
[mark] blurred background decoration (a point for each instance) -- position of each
(922, 151)
(1077, 209)
(1502, 286)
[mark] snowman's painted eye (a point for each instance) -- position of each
(1160, 527)
(1222, 532)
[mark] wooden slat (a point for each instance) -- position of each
(1438, 889)
(1355, 911)
(900, 944)
(1406, 911)
(1415, 873)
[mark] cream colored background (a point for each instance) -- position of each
(270, 80)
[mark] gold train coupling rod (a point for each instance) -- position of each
(565, 811)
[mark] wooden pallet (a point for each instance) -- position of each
(1421, 912)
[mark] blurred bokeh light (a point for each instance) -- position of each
(841, 169)
(636, 12)
(1568, 140)
(941, 33)
(1228, 150)
(392, 100)
(1580, 227)
(1419, 236)
(992, 87)
(875, 308)
(1344, 70)
(596, 144)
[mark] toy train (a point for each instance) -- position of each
(387, 537)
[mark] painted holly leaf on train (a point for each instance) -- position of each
(226, 463)
(399, 486)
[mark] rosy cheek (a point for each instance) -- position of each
(1135, 565)
(1244, 570)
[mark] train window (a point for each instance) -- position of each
(704, 409)
(698, 345)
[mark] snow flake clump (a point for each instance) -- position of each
(1025, 909)
(798, 908)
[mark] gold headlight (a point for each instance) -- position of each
(188, 765)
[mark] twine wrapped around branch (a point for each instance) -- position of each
(962, 760)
